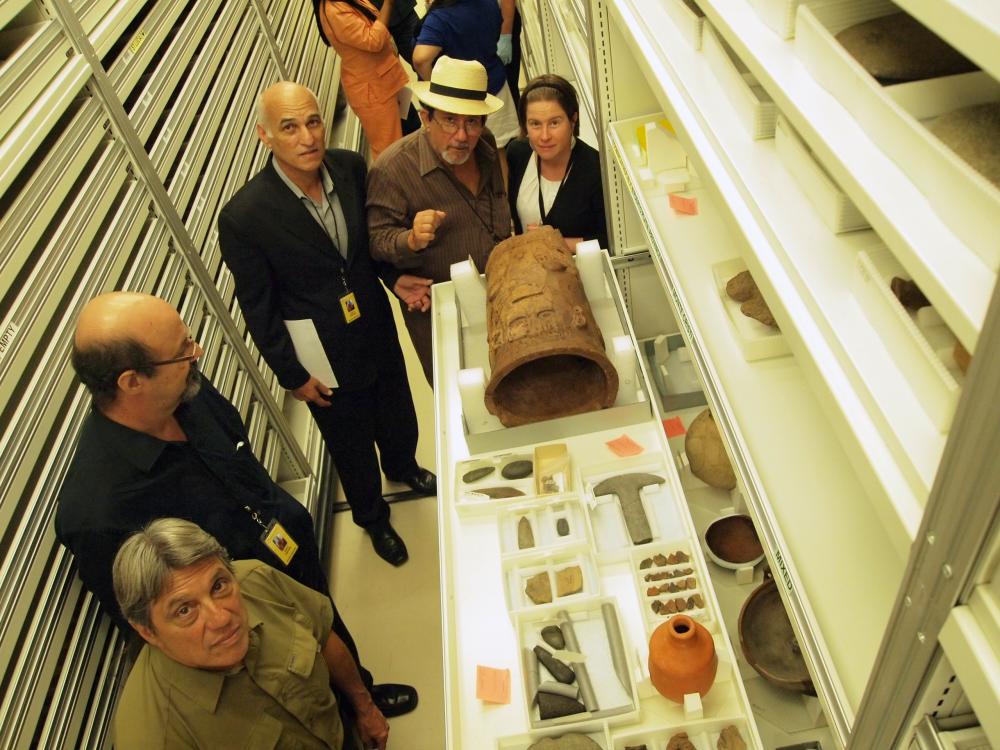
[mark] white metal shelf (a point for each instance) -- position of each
(952, 276)
(972, 26)
(577, 59)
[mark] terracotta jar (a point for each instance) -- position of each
(682, 658)
(546, 351)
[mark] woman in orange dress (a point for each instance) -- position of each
(370, 71)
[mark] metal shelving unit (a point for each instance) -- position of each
(125, 125)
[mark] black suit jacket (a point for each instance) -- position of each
(286, 268)
(578, 210)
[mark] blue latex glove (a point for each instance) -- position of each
(504, 50)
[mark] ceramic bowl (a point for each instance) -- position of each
(732, 542)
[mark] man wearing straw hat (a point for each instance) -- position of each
(437, 196)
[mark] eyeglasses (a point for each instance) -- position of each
(196, 351)
(450, 124)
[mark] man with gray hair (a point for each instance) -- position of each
(235, 651)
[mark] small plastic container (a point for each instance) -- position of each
(548, 574)
(666, 579)
(553, 523)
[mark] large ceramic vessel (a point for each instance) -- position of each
(546, 351)
(682, 658)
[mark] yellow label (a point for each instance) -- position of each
(137, 40)
(349, 305)
(280, 542)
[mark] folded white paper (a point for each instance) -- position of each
(310, 352)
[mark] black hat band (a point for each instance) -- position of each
(437, 88)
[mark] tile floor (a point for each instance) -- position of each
(394, 614)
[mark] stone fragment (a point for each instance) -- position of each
(652, 591)
(497, 493)
(730, 739)
(635, 747)
(552, 706)
(698, 601)
(656, 606)
(557, 688)
(562, 527)
(680, 741)
(908, 293)
(557, 669)
(539, 588)
(707, 454)
(689, 583)
(566, 742)
(757, 308)
(627, 488)
(659, 560)
(553, 635)
(741, 287)
(895, 48)
(670, 607)
(569, 580)
(474, 475)
(525, 536)
(516, 470)
(647, 563)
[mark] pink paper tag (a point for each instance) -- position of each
(492, 685)
(683, 205)
(624, 446)
(674, 427)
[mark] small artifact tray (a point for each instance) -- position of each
(609, 522)
(597, 733)
(671, 583)
(779, 15)
(919, 342)
(688, 21)
(704, 735)
(753, 105)
(605, 683)
(756, 340)
(482, 487)
(553, 524)
(554, 577)
(831, 203)
(892, 116)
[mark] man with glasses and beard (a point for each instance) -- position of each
(437, 196)
(162, 442)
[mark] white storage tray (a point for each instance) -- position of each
(778, 14)
(756, 340)
(831, 203)
(689, 23)
(704, 735)
(468, 497)
(597, 731)
(618, 703)
(607, 523)
(543, 514)
(891, 116)
(754, 106)
(517, 571)
(650, 618)
(920, 343)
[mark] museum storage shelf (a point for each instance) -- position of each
(96, 198)
(971, 26)
(952, 275)
(533, 52)
(476, 625)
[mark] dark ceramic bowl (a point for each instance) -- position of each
(769, 643)
(732, 542)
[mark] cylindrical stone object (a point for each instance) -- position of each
(546, 351)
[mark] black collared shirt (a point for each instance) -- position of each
(121, 479)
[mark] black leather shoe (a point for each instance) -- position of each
(388, 544)
(421, 481)
(393, 699)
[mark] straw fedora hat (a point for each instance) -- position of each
(459, 87)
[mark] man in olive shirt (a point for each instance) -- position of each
(437, 196)
(237, 655)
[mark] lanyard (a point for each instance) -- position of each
(542, 213)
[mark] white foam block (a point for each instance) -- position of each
(590, 266)
(472, 388)
(663, 150)
(692, 707)
(470, 288)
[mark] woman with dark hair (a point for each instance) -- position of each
(468, 30)
(370, 71)
(555, 178)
